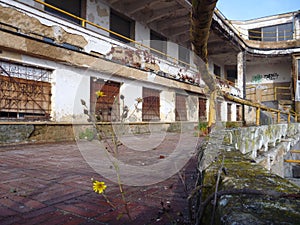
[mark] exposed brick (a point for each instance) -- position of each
(81, 211)
(53, 187)
(5, 212)
(11, 220)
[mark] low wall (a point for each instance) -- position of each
(266, 144)
(40, 132)
(235, 183)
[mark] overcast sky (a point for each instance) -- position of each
(252, 9)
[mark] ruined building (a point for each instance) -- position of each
(55, 53)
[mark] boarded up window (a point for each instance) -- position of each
(238, 113)
(25, 91)
(202, 109)
(229, 112)
(180, 108)
(73, 7)
(107, 107)
(151, 105)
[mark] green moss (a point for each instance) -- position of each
(87, 134)
(243, 173)
(233, 124)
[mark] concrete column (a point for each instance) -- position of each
(241, 78)
(241, 72)
(297, 27)
(241, 69)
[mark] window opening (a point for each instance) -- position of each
(25, 91)
(73, 7)
(183, 55)
(159, 43)
(180, 108)
(202, 109)
(217, 70)
(121, 25)
(107, 107)
(151, 105)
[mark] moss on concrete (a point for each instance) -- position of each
(242, 174)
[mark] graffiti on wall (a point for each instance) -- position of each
(258, 78)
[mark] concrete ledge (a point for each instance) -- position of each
(247, 193)
(20, 132)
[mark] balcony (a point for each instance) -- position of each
(81, 38)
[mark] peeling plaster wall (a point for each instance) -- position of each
(32, 3)
(192, 108)
(167, 105)
(69, 85)
(98, 13)
(70, 81)
(132, 91)
(283, 69)
(142, 33)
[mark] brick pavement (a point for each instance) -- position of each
(51, 184)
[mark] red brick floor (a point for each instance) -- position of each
(51, 184)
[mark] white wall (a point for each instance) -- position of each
(142, 33)
(69, 86)
(192, 108)
(131, 91)
(167, 106)
(255, 74)
(98, 13)
(172, 50)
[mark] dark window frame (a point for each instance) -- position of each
(79, 10)
(106, 108)
(217, 70)
(180, 107)
(184, 56)
(115, 18)
(202, 109)
(151, 105)
(272, 33)
(26, 91)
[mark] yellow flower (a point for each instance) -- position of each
(99, 186)
(139, 100)
(100, 94)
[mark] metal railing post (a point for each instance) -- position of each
(257, 116)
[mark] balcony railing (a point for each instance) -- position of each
(182, 75)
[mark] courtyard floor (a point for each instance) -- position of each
(51, 183)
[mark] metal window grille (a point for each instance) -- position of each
(107, 107)
(25, 91)
(180, 105)
(151, 105)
